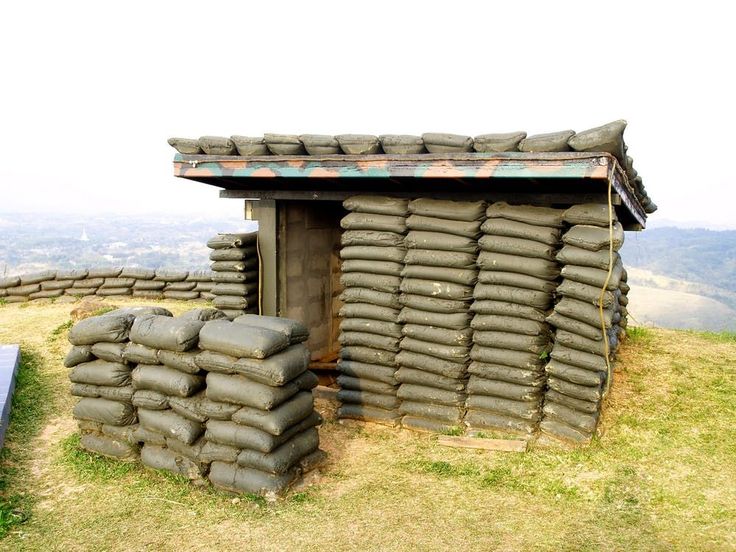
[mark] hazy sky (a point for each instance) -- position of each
(92, 90)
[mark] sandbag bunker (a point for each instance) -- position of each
(235, 273)
(228, 402)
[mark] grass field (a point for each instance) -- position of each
(662, 475)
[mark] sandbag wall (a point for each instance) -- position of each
(372, 255)
(436, 293)
(583, 352)
(235, 270)
(206, 398)
(145, 283)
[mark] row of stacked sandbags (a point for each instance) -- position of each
(108, 281)
(516, 285)
(579, 371)
(436, 293)
(266, 437)
(372, 255)
(235, 267)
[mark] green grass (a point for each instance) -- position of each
(88, 466)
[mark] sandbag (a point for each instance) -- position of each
(594, 238)
(166, 380)
(498, 142)
(376, 372)
(580, 343)
(530, 378)
(248, 279)
(515, 229)
(160, 458)
(417, 239)
(584, 312)
(481, 419)
(109, 328)
(138, 273)
(371, 238)
(433, 304)
(148, 285)
(537, 299)
(23, 290)
(104, 272)
(517, 246)
(376, 282)
(277, 369)
(517, 280)
(580, 359)
(37, 277)
(580, 420)
(571, 255)
(516, 342)
(433, 257)
(151, 400)
(428, 425)
(237, 479)
(112, 352)
(217, 410)
(379, 400)
(455, 353)
(446, 226)
(234, 302)
(438, 142)
(143, 435)
(168, 275)
(608, 138)
(9, 281)
(503, 308)
(164, 332)
(443, 336)
(181, 286)
(372, 312)
(119, 394)
(367, 413)
(372, 221)
(101, 372)
(190, 407)
(428, 379)
(46, 294)
(213, 452)
(503, 389)
(582, 392)
(184, 362)
(364, 295)
(368, 356)
(432, 364)
(515, 359)
(241, 290)
(375, 341)
(88, 283)
(539, 268)
(136, 353)
(52, 285)
(367, 325)
(423, 393)
(528, 214)
(562, 431)
(440, 320)
(118, 283)
(77, 355)
(586, 293)
(240, 340)
(577, 404)
(283, 458)
(446, 209)
(551, 141)
(281, 418)
(106, 446)
(461, 276)
(511, 324)
(528, 410)
(358, 144)
(247, 437)
(171, 424)
(227, 241)
(440, 290)
(247, 255)
(402, 144)
(237, 389)
(377, 204)
(372, 267)
(104, 411)
(124, 434)
(595, 214)
(441, 412)
(575, 374)
(109, 292)
(364, 384)
(575, 326)
(373, 253)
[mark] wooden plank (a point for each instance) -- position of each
(503, 445)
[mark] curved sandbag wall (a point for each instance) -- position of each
(198, 395)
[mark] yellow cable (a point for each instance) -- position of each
(603, 291)
(260, 273)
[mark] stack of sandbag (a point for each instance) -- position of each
(372, 260)
(261, 434)
(235, 265)
(101, 375)
(516, 283)
(580, 365)
(436, 293)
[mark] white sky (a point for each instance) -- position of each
(91, 90)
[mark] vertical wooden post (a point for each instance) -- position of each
(266, 213)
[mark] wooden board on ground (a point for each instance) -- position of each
(504, 445)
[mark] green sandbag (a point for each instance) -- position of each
(526, 410)
(363, 295)
(432, 334)
(284, 457)
(46, 294)
(217, 145)
(402, 144)
(247, 437)
(372, 221)
(184, 362)
(240, 340)
(56, 284)
(480, 419)
(78, 354)
(150, 400)
(489, 292)
(192, 452)
(595, 238)
(580, 420)
(446, 226)
(571, 402)
(250, 145)
(143, 435)
(367, 355)
(148, 285)
(367, 325)
(87, 283)
(560, 430)
(494, 227)
(585, 293)
(359, 144)
(539, 268)
(217, 410)
(170, 424)
(453, 321)
(580, 343)
(584, 312)
(381, 205)
(582, 392)
(517, 246)
(108, 328)
(215, 452)
(574, 374)
(159, 458)
(512, 324)
(379, 400)
(118, 282)
(112, 352)
(503, 389)
(517, 280)
(595, 214)
(373, 253)
(104, 272)
(190, 407)
(37, 277)
(608, 138)
(372, 267)
(101, 372)
(227, 241)
(429, 425)
(575, 326)
(515, 359)
(277, 369)
(431, 364)
(135, 353)
(109, 292)
(247, 256)
(433, 257)
(164, 332)
(433, 288)
(9, 281)
(374, 341)
(516, 342)
(104, 411)
(432, 395)
(499, 142)
(455, 353)
(373, 238)
(376, 282)
(237, 389)
(233, 302)
(124, 434)
(462, 276)
(367, 413)
(236, 479)
(119, 394)
(437, 142)
(23, 290)
(504, 308)
(428, 379)
(106, 446)
(320, 144)
(376, 372)
(372, 312)
(418, 239)
(577, 358)
(168, 381)
(528, 214)
(433, 304)
(168, 275)
(364, 384)
(249, 278)
(441, 412)
(499, 372)
(549, 142)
